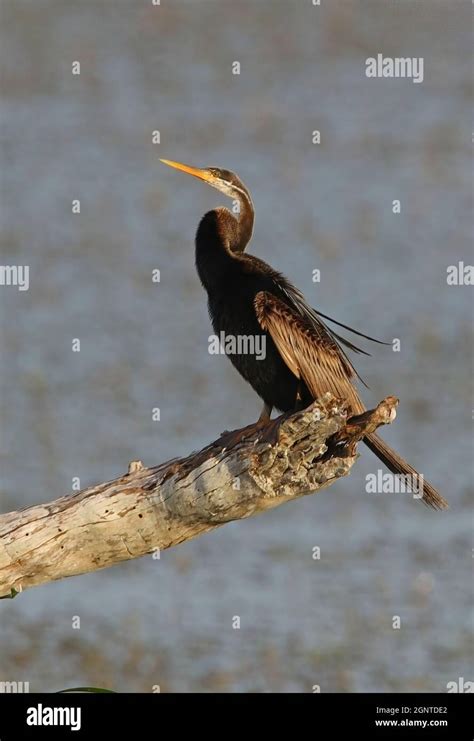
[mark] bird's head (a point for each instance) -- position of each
(225, 181)
(238, 231)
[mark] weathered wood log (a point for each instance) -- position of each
(158, 507)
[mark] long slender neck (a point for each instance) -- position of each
(220, 235)
(217, 232)
(246, 216)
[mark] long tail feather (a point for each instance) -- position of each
(396, 464)
(351, 329)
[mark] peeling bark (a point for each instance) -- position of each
(159, 507)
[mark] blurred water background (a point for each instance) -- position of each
(328, 207)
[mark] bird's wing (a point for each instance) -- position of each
(309, 352)
(350, 329)
(296, 300)
(313, 316)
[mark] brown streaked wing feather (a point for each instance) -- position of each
(252, 264)
(308, 351)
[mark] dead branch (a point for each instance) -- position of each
(159, 507)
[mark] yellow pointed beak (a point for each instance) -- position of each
(201, 174)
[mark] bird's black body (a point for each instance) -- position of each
(232, 282)
(269, 376)
(233, 279)
(303, 358)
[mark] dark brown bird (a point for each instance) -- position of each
(246, 297)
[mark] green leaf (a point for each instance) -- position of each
(13, 593)
(86, 689)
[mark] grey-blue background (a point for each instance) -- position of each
(326, 207)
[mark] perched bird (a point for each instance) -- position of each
(304, 358)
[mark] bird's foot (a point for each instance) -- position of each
(230, 438)
(264, 430)
(270, 432)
